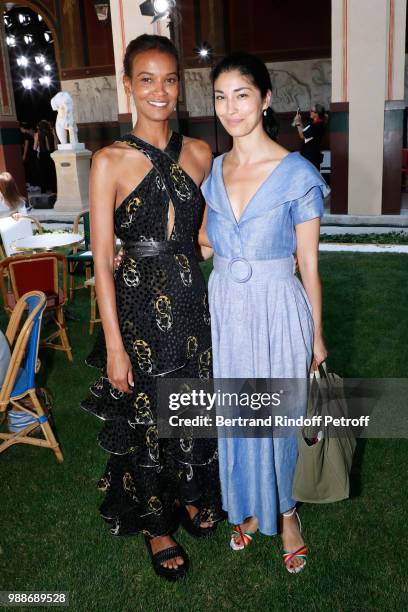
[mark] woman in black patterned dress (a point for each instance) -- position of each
(145, 190)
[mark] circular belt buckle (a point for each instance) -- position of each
(238, 279)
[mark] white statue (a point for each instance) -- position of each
(65, 122)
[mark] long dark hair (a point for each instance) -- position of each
(45, 136)
(147, 42)
(252, 67)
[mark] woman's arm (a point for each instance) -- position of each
(203, 240)
(299, 125)
(21, 211)
(204, 243)
(25, 149)
(102, 194)
(300, 131)
(307, 237)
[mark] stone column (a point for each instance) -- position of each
(127, 23)
(10, 138)
(367, 75)
(368, 61)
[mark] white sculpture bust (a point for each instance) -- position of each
(65, 123)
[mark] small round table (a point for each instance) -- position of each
(47, 242)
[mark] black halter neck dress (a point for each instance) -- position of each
(164, 320)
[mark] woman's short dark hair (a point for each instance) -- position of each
(320, 110)
(254, 68)
(147, 42)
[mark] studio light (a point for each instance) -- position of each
(101, 10)
(161, 6)
(31, 56)
(24, 19)
(27, 83)
(45, 80)
(158, 9)
(204, 52)
(147, 9)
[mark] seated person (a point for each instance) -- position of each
(12, 202)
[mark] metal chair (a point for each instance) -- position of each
(83, 255)
(39, 271)
(11, 230)
(19, 382)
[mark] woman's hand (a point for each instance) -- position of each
(319, 353)
(120, 373)
(118, 259)
(206, 252)
(16, 216)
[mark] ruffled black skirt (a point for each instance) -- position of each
(146, 477)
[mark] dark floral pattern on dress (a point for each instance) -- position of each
(164, 319)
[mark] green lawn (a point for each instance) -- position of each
(53, 539)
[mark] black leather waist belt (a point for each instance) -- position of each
(151, 248)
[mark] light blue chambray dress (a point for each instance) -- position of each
(261, 322)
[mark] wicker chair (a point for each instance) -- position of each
(18, 390)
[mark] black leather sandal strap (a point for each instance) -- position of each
(168, 553)
(196, 520)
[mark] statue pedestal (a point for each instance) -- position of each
(72, 167)
(77, 146)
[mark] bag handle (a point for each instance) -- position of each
(321, 371)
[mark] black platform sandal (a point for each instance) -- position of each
(192, 525)
(165, 555)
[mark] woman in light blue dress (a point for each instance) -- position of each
(263, 206)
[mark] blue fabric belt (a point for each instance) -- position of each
(241, 270)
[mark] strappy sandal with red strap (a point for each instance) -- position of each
(300, 553)
(246, 538)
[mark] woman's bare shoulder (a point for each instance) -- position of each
(111, 152)
(116, 157)
(199, 148)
